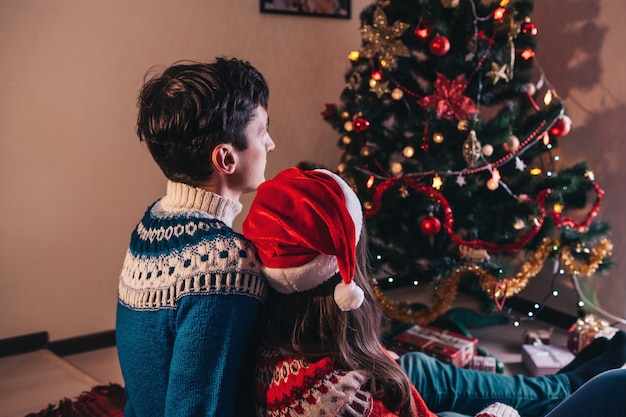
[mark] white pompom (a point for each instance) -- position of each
(348, 297)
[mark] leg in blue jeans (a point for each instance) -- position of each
(448, 388)
(603, 395)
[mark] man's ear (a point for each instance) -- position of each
(224, 158)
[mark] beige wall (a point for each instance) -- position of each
(74, 179)
(581, 49)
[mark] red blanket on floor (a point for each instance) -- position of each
(101, 401)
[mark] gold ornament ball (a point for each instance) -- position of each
(463, 125)
(365, 151)
(487, 150)
(492, 184)
(367, 205)
(514, 141)
(345, 115)
(348, 126)
(397, 94)
(450, 3)
(512, 144)
(346, 140)
(373, 83)
(341, 167)
(408, 152)
(396, 168)
(437, 137)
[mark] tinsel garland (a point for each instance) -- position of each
(571, 266)
(498, 289)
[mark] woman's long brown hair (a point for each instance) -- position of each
(311, 325)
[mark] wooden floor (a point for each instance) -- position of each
(31, 381)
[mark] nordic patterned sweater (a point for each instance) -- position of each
(189, 296)
(295, 387)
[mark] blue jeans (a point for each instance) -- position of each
(450, 391)
(603, 395)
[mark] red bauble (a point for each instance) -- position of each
(421, 32)
(439, 45)
(529, 28)
(360, 124)
(430, 226)
(561, 127)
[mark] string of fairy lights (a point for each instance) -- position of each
(382, 43)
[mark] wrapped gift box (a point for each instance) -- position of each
(541, 335)
(585, 330)
(483, 363)
(449, 347)
(545, 359)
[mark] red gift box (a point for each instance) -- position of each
(448, 347)
(581, 333)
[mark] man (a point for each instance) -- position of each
(191, 289)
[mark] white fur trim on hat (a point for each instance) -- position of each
(304, 277)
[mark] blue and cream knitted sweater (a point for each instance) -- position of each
(190, 293)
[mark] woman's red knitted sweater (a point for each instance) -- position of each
(297, 387)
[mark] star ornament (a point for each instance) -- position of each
(448, 99)
(498, 73)
(383, 40)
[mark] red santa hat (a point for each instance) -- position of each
(305, 225)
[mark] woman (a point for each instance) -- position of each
(321, 351)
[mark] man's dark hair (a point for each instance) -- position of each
(192, 107)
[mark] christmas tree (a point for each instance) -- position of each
(449, 130)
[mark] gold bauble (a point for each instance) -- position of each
(396, 168)
(492, 184)
(512, 144)
(437, 137)
(450, 3)
(397, 94)
(408, 152)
